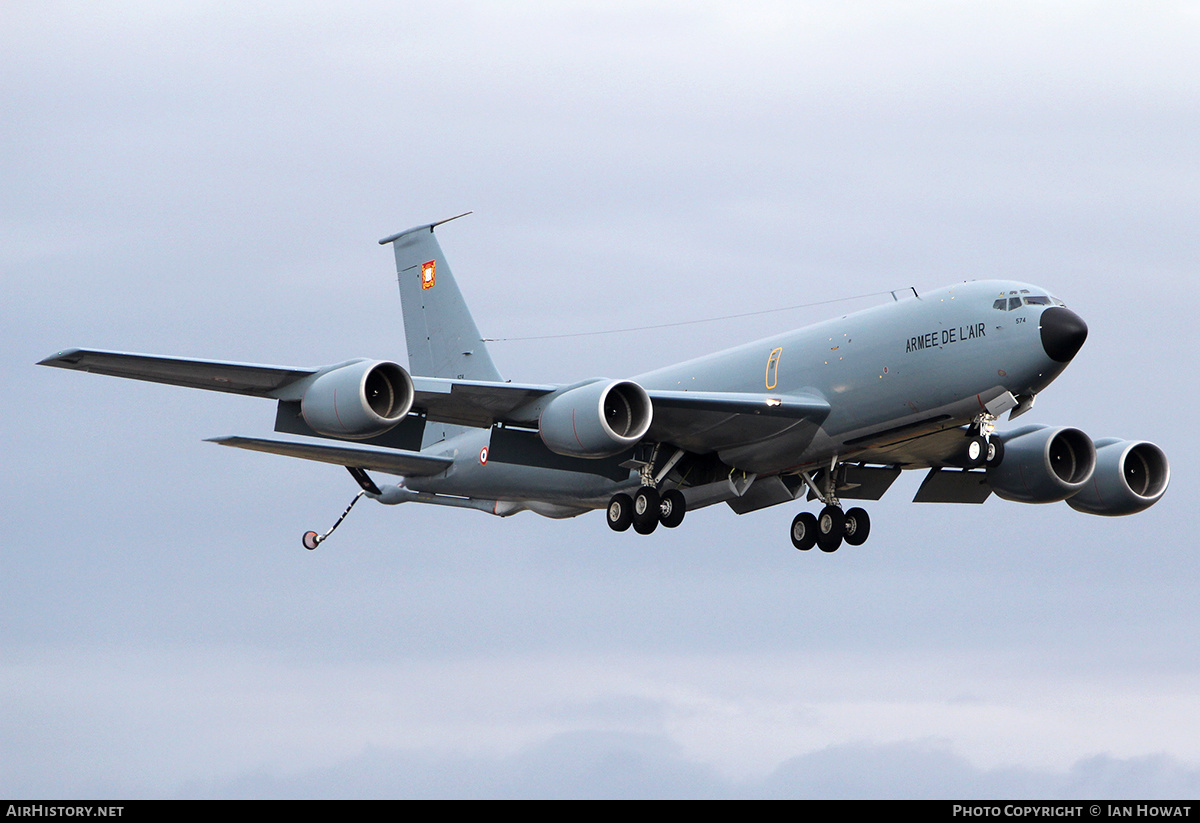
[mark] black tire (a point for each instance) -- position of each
(645, 510)
(310, 540)
(995, 452)
(620, 512)
(857, 527)
(804, 531)
(671, 508)
(830, 525)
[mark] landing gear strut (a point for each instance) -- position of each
(648, 508)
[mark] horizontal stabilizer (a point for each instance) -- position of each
(237, 378)
(391, 461)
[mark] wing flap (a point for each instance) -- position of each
(252, 379)
(477, 403)
(391, 461)
(857, 482)
(948, 486)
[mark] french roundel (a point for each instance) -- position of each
(483, 456)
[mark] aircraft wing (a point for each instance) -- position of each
(776, 405)
(391, 461)
(711, 421)
(473, 402)
(461, 402)
(481, 403)
(237, 378)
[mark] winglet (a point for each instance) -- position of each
(426, 227)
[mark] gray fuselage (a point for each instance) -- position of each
(889, 373)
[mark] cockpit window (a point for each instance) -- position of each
(1012, 301)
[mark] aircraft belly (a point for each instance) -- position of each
(514, 465)
(503, 481)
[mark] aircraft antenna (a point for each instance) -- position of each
(690, 322)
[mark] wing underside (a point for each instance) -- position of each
(390, 461)
(252, 379)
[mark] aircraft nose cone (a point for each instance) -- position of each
(1063, 333)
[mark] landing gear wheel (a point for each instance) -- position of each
(995, 452)
(620, 512)
(671, 508)
(310, 540)
(857, 527)
(976, 452)
(645, 510)
(804, 531)
(830, 525)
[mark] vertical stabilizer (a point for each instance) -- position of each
(442, 338)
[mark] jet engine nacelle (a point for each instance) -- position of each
(596, 420)
(1130, 476)
(358, 401)
(1042, 464)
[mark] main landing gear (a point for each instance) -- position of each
(828, 529)
(646, 510)
(832, 526)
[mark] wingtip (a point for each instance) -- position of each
(60, 358)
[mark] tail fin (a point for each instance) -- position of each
(442, 338)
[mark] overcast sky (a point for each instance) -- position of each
(210, 180)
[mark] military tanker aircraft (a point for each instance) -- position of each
(832, 412)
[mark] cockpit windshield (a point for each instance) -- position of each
(1015, 299)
